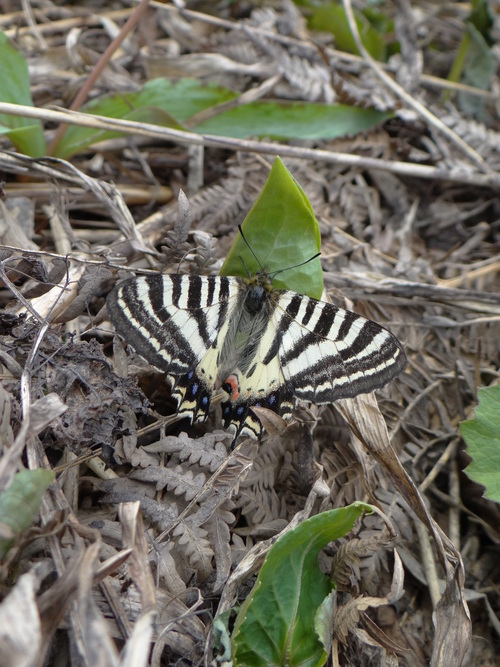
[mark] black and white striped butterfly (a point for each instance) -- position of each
(262, 346)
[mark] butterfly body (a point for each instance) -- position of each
(261, 346)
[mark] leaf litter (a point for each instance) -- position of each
(152, 527)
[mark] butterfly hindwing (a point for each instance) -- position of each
(313, 351)
(262, 385)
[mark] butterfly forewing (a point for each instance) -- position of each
(261, 346)
(171, 320)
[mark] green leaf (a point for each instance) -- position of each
(160, 102)
(323, 620)
(481, 17)
(474, 62)
(282, 231)
(330, 17)
(478, 70)
(168, 104)
(79, 138)
(20, 502)
(482, 435)
(276, 623)
(292, 120)
(25, 133)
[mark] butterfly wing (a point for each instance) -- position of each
(327, 353)
(173, 321)
(313, 351)
(262, 385)
(295, 346)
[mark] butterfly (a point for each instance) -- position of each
(260, 346)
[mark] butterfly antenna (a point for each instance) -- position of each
(295, 266)
(246, 267)
(273, 275)
(250, 248)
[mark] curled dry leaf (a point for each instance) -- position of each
(44, 410)
(20, 628)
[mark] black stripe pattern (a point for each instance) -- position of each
(262, 347)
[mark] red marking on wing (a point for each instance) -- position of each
(232, 385)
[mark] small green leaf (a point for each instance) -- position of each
(168, 104)
(159, 102)
(276, 623)
(478, 70)
(482, 435)
(25, 133)
(481, 17)
(474, 63)
(282, 232)
(20, 502)
(323, 621)
(292, 120)
(79, 138)
(330, 17)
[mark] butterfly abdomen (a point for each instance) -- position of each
(244, 335)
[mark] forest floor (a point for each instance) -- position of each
(153, 525)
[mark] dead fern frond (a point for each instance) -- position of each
(309, 80)
(176, 246)
(206, 253)
(485, 140)
(219, 534)
(347, 616)
(166, 568)
(193, 541)
(209, 452)
(346, 562)
(221, 204)
(176, 480)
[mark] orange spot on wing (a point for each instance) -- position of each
(231, 384)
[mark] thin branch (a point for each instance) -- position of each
(455, 174)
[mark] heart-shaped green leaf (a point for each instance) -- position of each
(282, 233)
